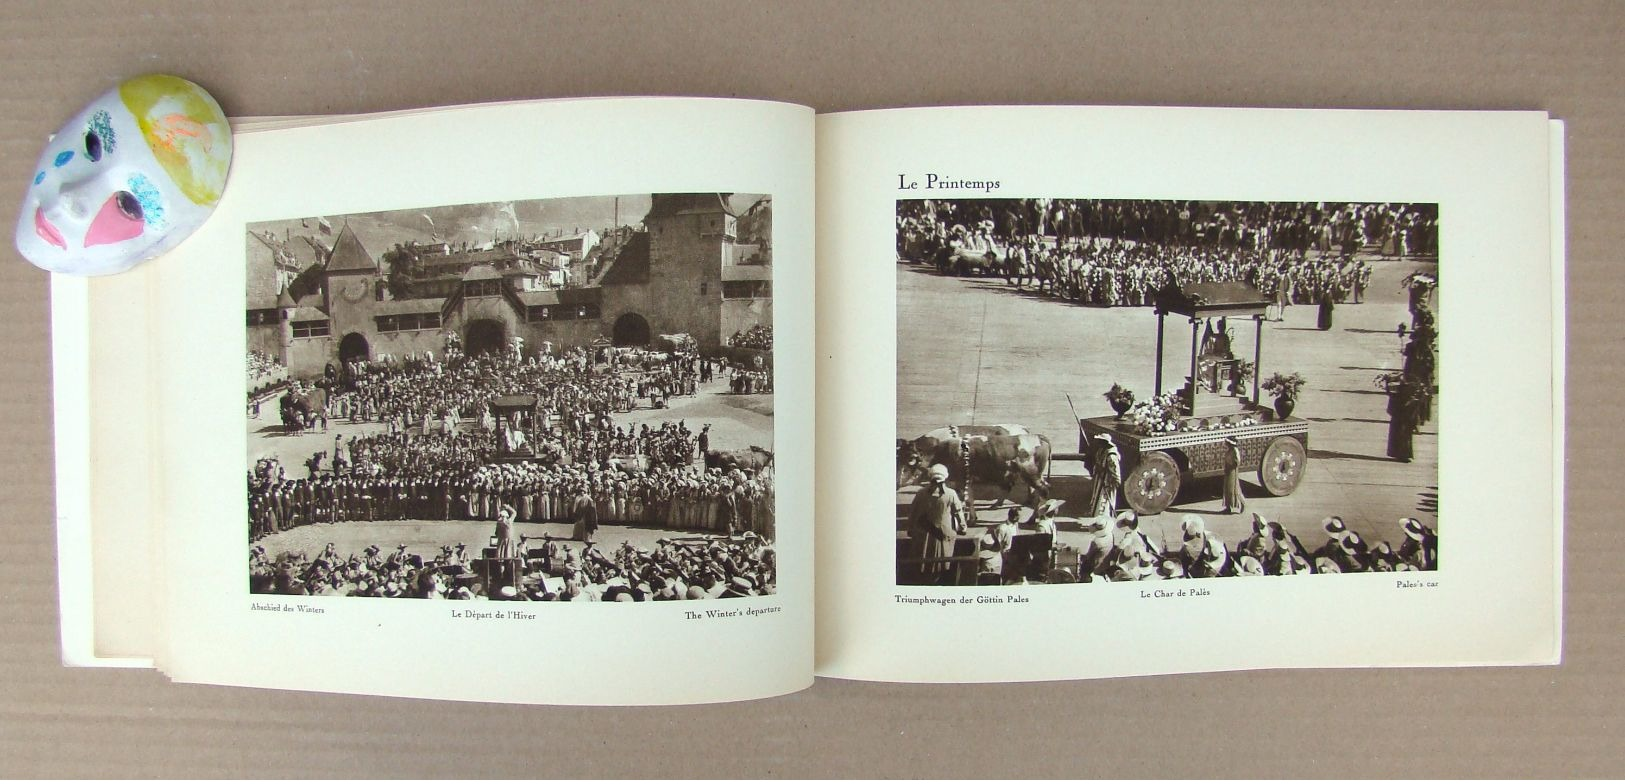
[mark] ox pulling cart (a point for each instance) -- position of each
(1182, 434)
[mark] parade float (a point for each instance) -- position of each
(1180, 434)
(517, 419)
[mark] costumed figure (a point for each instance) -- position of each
(1234, 502)
(935, 518)
(508, 542)
(585, 515)
(1402, 419)
(1107, 478)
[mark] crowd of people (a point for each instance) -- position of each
(687, 497)
(424, 391)
(1119, 551)
(1395, 229)
(939, 522)
(550, 570)
(758, 337)
(578, 463)
(742, 381)
(1121, 253)
(264, 372)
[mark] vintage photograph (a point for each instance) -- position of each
(1118, 390)
(548, 400)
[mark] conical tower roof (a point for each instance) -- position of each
(349, 255)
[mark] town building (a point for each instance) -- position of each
(577, 245)
(682, 271)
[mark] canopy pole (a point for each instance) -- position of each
(1195, 344)
(1258, 355)
(1161, 320)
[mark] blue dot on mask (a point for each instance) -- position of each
(63, 157)
(39, 178)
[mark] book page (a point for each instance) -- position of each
(105, 536)
(1111, 391)
(515, 362)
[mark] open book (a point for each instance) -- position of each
(960, 394)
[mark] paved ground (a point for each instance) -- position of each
(737, 421)
(976, 351)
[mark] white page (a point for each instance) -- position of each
(1495, 597)
(105, 486)
(648, 653)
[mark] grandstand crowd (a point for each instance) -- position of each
(1118, 551)
(1122, 252)
(449, 452)
(553, 570)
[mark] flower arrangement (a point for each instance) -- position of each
(1244, 374)
(1284, 386)
(1120, 399)
(1285, 389)
(1420, 280)
(1159, 414)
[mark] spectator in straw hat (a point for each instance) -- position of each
(1214, 562)
(1193, 546)
(1128, 541)
(995, 543)
(1261, 543)
(1043, 518)
(1169, 569)
(1249, 566)
(1383, 557)
(1142, 566)
(1288, 542)
(1353, 554)
(1421, 546)
(1097, 560)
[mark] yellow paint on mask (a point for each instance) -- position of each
(185, 130)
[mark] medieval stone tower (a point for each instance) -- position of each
(690, 237)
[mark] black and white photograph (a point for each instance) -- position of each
(1104, 390)
(548, 400)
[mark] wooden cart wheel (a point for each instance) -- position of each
(1153, 483)
(1282, 467)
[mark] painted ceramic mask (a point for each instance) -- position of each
(128, 178)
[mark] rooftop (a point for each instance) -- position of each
(1212, 299)
(667, 204)
(349, 255)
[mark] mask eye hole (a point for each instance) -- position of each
(129, 205)
(93, 146)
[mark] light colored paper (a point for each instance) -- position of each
(1497, 600)
(587, 653)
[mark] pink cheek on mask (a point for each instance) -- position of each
(112, 225)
